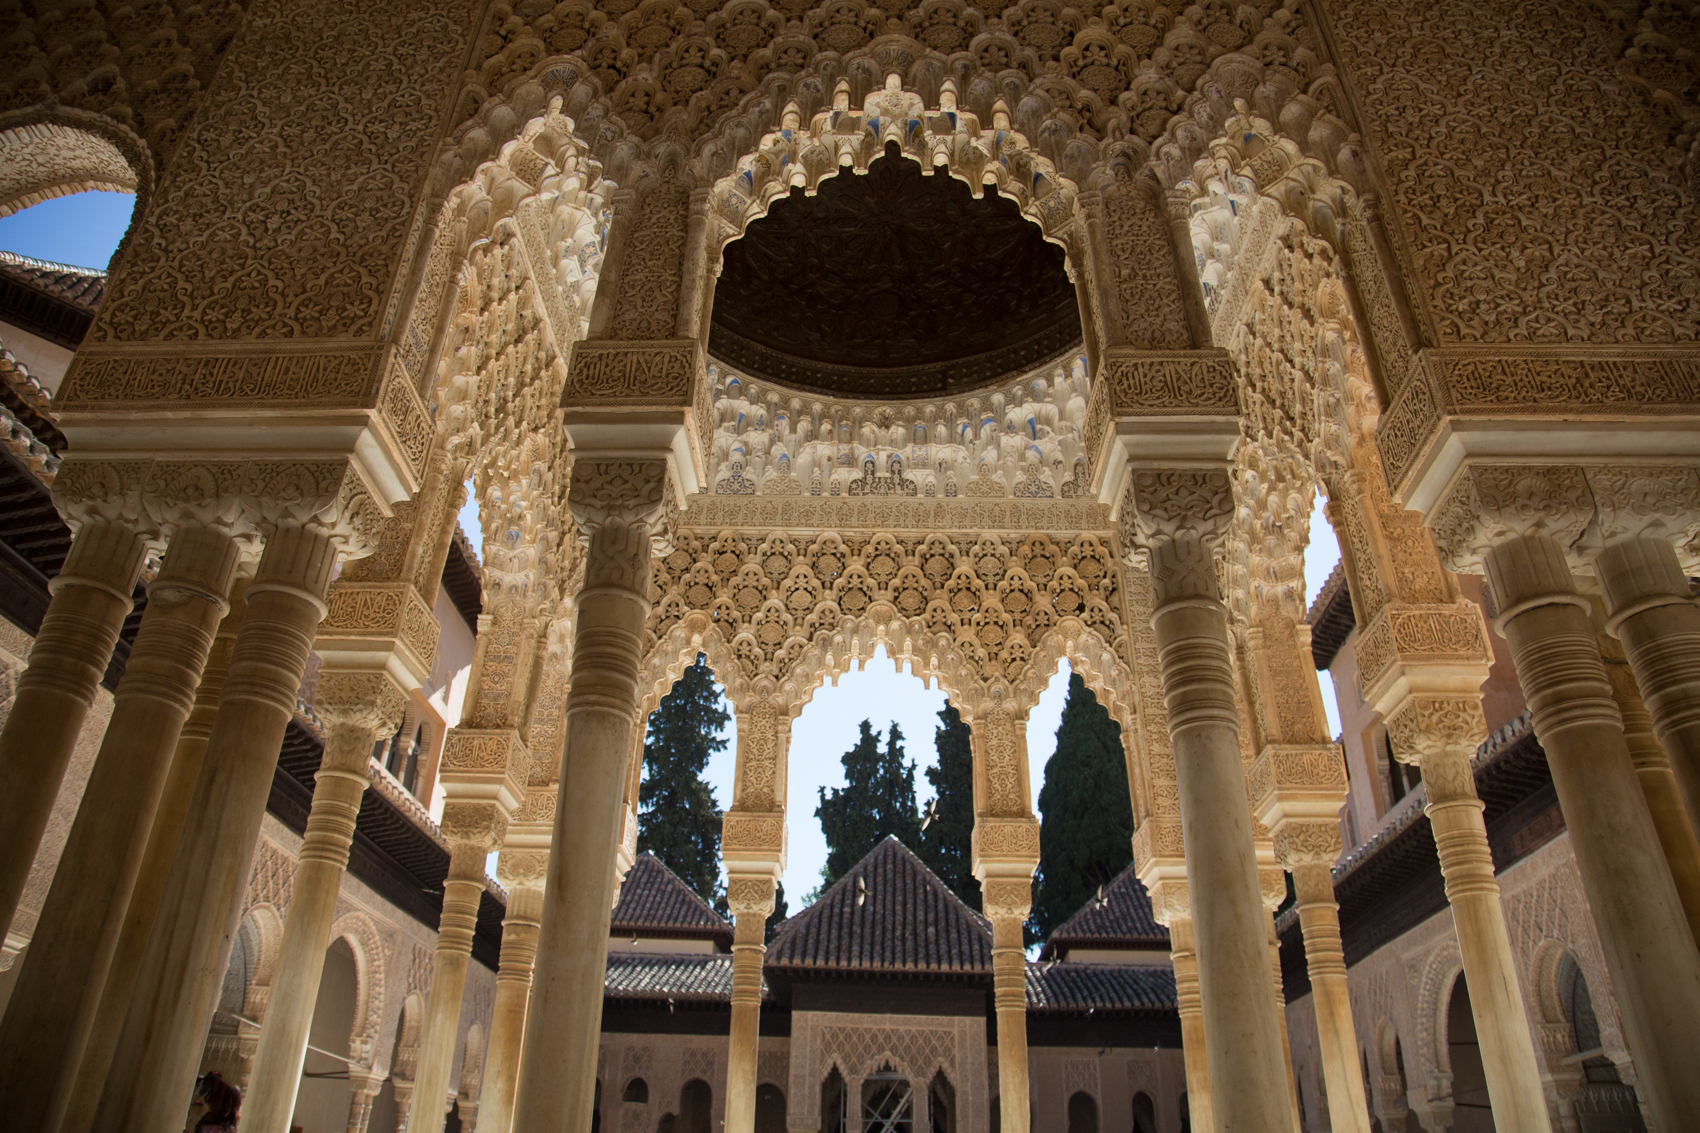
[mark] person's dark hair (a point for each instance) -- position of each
(221, 1099)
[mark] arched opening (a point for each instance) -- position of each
(941, 1104)
(1471, 1112)
(636, 1092)
(770, 1109)
(1144, 1113)
(888, 1102)
(323, 1100)
(1606, 1103)
(833, 1115)
(696, 1105)
(689, 747)
(1082, 1113)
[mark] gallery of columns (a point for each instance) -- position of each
(993, 337)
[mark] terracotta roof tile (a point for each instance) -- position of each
(693, 978)
(908, 921)
(1099, 987)
(654, 902)
(55, 301)
(1123, 921)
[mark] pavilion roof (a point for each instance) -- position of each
(889, 913)
(1122, 918)
(654, 902)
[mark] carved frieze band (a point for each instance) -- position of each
(752, 833)
(1530, 382)
(658, 372)
(1007, 839)
(1167, 383)
(710, 514)
(488, 765)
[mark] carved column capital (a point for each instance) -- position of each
(1425, 729)
(751, 895)
(370, 701)
(1646, 502)
(1488, 504)
(1308, 843)
(1179, 518)
(1007, 898)
(623, 506)
(522, 869)
(480, 826)
(1171, 900)
(325, 495)
(108, 491)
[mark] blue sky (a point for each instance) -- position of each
(82, 230)
(85, 229)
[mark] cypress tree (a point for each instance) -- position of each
(878, 798)
(948, 836)
(1086, 820)
(780, 912)
(678, 816)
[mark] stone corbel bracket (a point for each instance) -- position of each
(293, 401)
(379, 625)
(1153, 408)
(1294, 786)
(1494, 404)
(642, 397)
(486, 765)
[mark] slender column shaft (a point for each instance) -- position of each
(1009, 997)
(1325, 960)
(91, 597)
(155, 869)
(461, 892)
(564, 1021)
(276, 1075)
(747, 953)
(1651, 612)
(365, 1086)
(1281, 1022)
(50, 1017)
(1248, 1087)
(1496, 1000)
(1183, 952)
(1654, 965)
(507, 1018)
(149, 1088)
(1658, 783)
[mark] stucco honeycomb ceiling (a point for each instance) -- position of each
(892, 284)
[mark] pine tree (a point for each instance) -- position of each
(878, 798)
(1086, 820)
(678, 816)
(780, 912)
(947, 839)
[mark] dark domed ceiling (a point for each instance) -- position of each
(892, 284)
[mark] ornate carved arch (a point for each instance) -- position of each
(370, 961)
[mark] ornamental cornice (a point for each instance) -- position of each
(1554, 388)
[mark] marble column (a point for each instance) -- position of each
(1298, 791)
(155, 870)
(358, 710)
(1179, 517)
(1183, 953)
(473, 830)
(1649, 951)
(1651, 611)
(513, 990)
(1007, 909)
(91, 598)
(51, 1014)
(618, 503)
(152, 1077)
(751, 897)
(1658, 781)
(364, 1085)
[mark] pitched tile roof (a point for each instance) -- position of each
(1331, 618)
(56, 301)
(654, 902)
(908, 921)
(1124, 920)
(1100, 987)
(689, 978)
